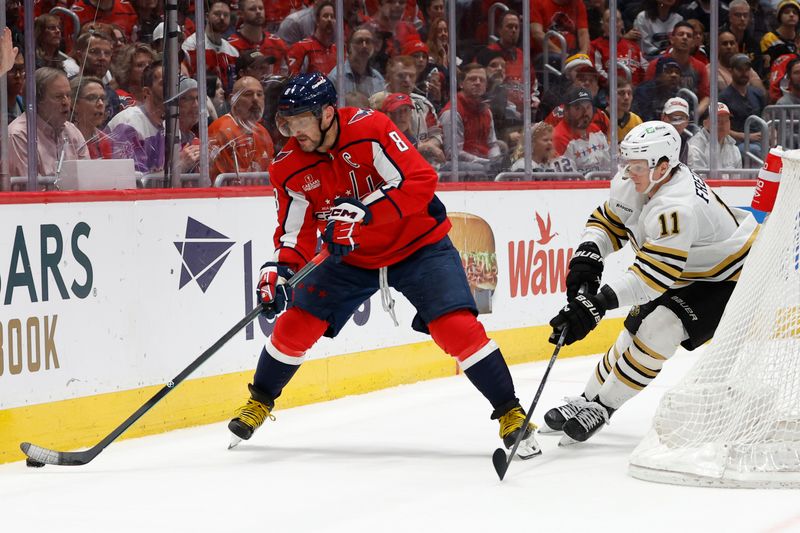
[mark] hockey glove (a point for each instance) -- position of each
(343, 231)
(586, 266)
(272, 292)
(581, 315)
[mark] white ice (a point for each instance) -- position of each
(411, 458)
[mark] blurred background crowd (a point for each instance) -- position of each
(100, 71)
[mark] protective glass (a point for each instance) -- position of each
(291, 125)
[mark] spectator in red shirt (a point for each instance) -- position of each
(220, 54)
(392, 31)
(475, 135)
(251, 34)
(698, 48)
(277, 10)
(577, 138)
(628, 52)
(567, 17)
(119, 12)
(318, 52)
(693, 73)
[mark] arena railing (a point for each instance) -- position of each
(156, 180)
(61, 12)
(241, 178)
(763, 144)
(688, 95)
(44, 183)
(547, 68)
(784, 120)
(493, 38)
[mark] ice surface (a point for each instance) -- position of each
(411, 458)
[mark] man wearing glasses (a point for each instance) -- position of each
(57, 139)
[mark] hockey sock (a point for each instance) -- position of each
(606, 364)
(461, 335)
(295, 332)
(659, 335)
(492, 378)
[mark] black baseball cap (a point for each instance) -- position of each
(576, 95)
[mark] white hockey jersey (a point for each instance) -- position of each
(684, 233)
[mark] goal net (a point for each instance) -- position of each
(734, 419)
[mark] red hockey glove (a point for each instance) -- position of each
(343, 230)
(272, 292)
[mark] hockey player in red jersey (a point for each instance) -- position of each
(351, 175)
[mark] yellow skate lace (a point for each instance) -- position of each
(513, 420)
(253, 413)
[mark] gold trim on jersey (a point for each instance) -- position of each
(728, 262)
(606, 220)
(670, 272)
(651, 282)
(666, 251)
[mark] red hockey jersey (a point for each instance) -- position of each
(373, 161)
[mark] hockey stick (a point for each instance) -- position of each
(499, 459)
(38, 456)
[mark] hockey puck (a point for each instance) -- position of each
(33, 464)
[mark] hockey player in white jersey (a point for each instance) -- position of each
(690, 247)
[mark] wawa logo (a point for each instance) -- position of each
(534, 267)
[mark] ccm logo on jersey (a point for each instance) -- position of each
(311, 183)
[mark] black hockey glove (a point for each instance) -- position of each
(343, 231)
(586, 266)
(581, 315)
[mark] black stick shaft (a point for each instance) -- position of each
(88, 455)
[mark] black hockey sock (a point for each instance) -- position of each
(272, 375)
(493, 379)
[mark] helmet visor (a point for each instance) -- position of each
(630, 168)
(292, 125)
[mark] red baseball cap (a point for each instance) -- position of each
(395, 101)
(414, 46)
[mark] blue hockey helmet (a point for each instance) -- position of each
(306, 92)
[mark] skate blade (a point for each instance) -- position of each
(234, 442)
(529, 449)
(566, 440)
(546, 430)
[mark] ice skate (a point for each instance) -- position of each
(250, 416)
(554, 418)
(588, 421)
(511, 425)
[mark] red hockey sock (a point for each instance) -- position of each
(296, 331)
(459, 334)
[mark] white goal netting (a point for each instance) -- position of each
(734, 419)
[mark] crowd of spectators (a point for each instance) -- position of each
(100, 87)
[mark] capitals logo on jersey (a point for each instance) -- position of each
(360, 114)
(281, 156)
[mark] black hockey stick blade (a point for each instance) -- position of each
(500, 460)
(37, 456)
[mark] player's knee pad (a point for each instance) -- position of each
(295, 332)
(659, 335)
(460, 335)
